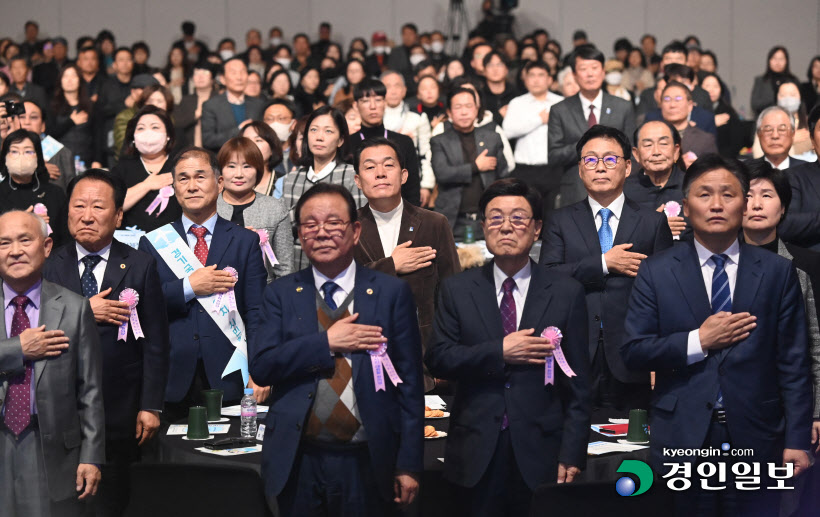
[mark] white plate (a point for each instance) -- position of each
(446, 415)
(441, 434)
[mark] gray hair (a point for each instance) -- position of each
(772, 109)
(563, 73)
(41, 223)
(388, 73)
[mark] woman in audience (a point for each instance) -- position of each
(25, 182)
(256, 61)
(428, 100)
(71, 123)
(254, 86)
(452, 69)
(242, 166)
(567, 86)
(614, 70)
(552, 61)
(307, 96)
(323, 150)
(730, 133)
(343, 89)
(189, 112)
(810, 90)
(295, 145)
(767, 203)
(176, 73)
(154, 95)
(271, 148)
(280, 86)
(357, 45)
(764, 91)
(146, 170)
(636, 76)
(351, 113)
(788, 98)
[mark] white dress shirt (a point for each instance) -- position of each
(695, 352)
(523, 121)
(522, 285)
(317, 176)
(389, 224)
(598, 102)
(99, 269)
(346, 280)
(783, 165)
(617, 208)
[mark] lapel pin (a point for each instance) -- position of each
(122, 266)
(481, 144)
(369, 291)
(299, 289)
(608, 111)
(411, 228)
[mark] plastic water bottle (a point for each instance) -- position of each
(248, 419)
(469, 235)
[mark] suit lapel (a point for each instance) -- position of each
(580, 116)
(51, 312)
(486, 301)
(366, 295)
(410, 222)
(370, 239)
(114, 270)
(304, 300)
(749, 277)
(628, 223)
(68, 265)
(690, 280)
(221, 240)
(585, 222)
(606, 109)
(537, 301)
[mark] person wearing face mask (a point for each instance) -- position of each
(614, 73)
(155, 95)
(226, 49)
(280, 115)
(436, 53)
(25, 182)
(271, 148)
(788, 98)
(274, 40)
(376, 61)
(145, 169)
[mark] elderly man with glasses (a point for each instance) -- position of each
(775, 129)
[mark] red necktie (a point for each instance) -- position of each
(18, 398)
(201, 247)
(592, 120)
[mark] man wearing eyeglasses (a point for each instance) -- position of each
(510, 430)
(339, 439)
(676, 107)
(602, 242)
(775, 129)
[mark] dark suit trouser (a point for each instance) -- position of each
(609, 392)
(501, 491)
(113, 492)
(332, 483)
(23, 486)
(543, 178)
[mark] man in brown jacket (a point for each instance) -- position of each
(398, 238)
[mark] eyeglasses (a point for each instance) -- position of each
(518, 221)
(782, 129)
(676, 98)
(334, 227)
(610, 161)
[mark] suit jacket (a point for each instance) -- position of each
(218, 123)
(703, 118)
(568, 123)
(193, 333)
(292, 357)
(548, 424)
(134, 371)
(64, 160)
(424, 228)
(793, 162)
(452, 174)
(571, 247)
(668, 301)
(698, 141)
(801, 225)
(68, 388)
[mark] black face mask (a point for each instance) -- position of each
(330, 74)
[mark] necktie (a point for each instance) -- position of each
(591, 120)
(88, 281)
(328, 288)
(605, 231)
(18, 397)
(721, 298)
(508, 317)
(201, 247)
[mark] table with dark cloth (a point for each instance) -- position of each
(436, 494)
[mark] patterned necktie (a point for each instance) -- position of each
(591, 120)
(328, 288)
(201, 247)
(18, 397)
(721, 298)
(88, 281)
(508, 317)
(605, 231)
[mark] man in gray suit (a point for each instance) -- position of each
(52, 430)
(467, 159)
(573, 116)
(223, 115)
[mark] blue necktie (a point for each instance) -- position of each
(328, 288)
(88, 281)
(605, 231)
(721, 297)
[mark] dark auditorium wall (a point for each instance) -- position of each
(739, 31)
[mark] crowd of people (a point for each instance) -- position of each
(307, 215)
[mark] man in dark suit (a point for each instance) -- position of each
(601, 242)
(18, 71)
(398, 238)
(52, 428)
(801, 225)
(338, 441)
(223, 115)
(466, 159)
(370, 101)
(709, 316)
(570, 119)
(135, 371)
(203, 355)
(775, 129)
(510, 431)
(676, 108)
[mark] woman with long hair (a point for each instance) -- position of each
(72, 112)
(764, 91)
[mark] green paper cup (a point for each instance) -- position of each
(638, 426)
(213, 402)
(197, 423)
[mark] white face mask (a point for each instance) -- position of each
(150, 142)
(379, 50)
(437, 46)
(790, 104)
(281, 129)
(21, 165)
(285, 62)
(275, 42)
(613, 78)
(427, 46)
(226, 54)
(417, 58)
